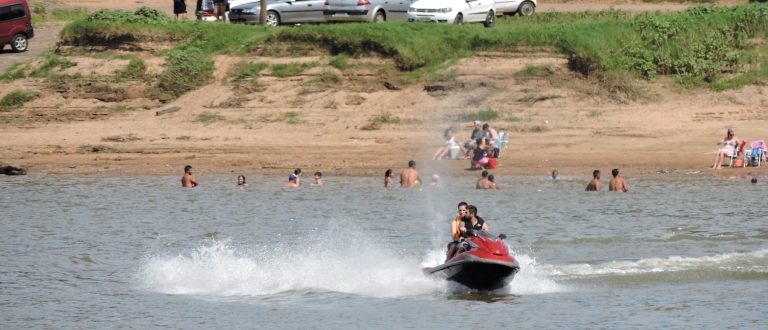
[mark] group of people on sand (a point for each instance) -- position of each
(188, 180)
(617, 183)
(481, 146)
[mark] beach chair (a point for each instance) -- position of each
(501, 142)
(737, 157)
(754, 155)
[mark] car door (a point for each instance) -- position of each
(478, 9)
(298, 11)
(397, 9)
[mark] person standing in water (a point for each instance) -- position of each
(318, 179)
(294, 180)
(617, 183)
(388, 178)
(188, 180)
(241, 180)
(409, 178)
(594, 185)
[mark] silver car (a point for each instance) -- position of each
(377, 11)
(279, 12)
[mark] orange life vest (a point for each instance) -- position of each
(455, 231)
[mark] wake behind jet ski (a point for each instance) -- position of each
(482, 262)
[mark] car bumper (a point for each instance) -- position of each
(30, 32)
(347, 15)
(431, 17)
(244, 18)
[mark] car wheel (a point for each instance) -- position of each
(526, 9)
(19, 43)
(459, 19)
(379, 17)
(490, 19)
(273, 19)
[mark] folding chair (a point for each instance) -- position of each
(757, 153)
(739, 151)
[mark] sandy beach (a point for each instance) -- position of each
(555, 120)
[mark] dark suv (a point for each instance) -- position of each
(15, 24)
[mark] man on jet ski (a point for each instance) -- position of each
(473, 221)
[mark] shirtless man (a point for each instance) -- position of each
(318, 179)
(188, 180)
(409, 178)
(483, 182)
(594, 185)
(617, 183)
(492, 182)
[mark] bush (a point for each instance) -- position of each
(135, 69)
(143, 15)
(16, 99)
(186, 69)
(339, 62)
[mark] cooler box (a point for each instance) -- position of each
(492, 163)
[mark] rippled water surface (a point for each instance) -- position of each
(99, 252)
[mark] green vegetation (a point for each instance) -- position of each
(291, 69)
(339, 62)
(251, 71)
(41, 14)
(698, 46)
(16, 71)
(375, 122)
(51, 61)
(16, 99)
(683, 1)
(208, 117)
(187, 68)
(482, 115)
(533, 71)
(135, 69)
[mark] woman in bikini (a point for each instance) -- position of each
(729, 143)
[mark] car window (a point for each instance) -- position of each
(11, 12)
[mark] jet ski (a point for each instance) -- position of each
(482, 262)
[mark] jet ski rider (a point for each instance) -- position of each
(467, 218)
(456, 229)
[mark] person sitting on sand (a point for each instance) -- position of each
(294, 180)
(388, 178)
(241, 180)
(594, 185)
(450, 142)
(482, 183)
(618, 183)
(188, 180)
(409, 178)
(492, 183)
(480, 155)
(729, 143)
(318, 179)
(471, 144)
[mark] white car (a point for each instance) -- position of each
(520, 7)
(453, 11)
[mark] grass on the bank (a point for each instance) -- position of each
(16, 99)
(698, 45)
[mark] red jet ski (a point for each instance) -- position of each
(481, 263)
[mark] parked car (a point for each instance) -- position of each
(453, 11)
(279, 12)
(377, 11)
(520, 7)
(15, 24)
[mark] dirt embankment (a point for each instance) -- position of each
(367, 122)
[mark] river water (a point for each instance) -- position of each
(94, 252)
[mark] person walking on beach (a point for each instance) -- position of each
(180, 8)
(594, 185)
(618, 183)
(188, 180)
(409, 178)
(219, 8)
